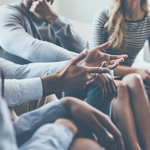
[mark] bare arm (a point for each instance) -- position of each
(124, 70)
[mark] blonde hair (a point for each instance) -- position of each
(116, 21)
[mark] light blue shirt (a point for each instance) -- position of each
(23, 82)
(20, 132)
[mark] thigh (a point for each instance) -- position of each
(49, 136)
(85, 144)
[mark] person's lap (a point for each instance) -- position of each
(94, 96)
(49, 136)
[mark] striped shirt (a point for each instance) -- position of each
(137, 32)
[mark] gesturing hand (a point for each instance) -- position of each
(75, 77)
(109, 88)
(43, 11)
(93, 120)
(96, 57)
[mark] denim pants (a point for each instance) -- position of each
(94, 96)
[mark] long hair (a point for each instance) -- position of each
(116, 21)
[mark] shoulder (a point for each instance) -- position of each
(9, 13)
(101, 17)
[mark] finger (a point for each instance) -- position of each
(90, 81)
(103, 64)
(98, 70)
(102, 132)
(80, 57)
(108, 86)
(117, 60)
(105, 92)
(104, 46)
(32, 9)
(35, 3)
(93, 75)
(116, 134)
(114, 89)
(113, 66)
(113, 57)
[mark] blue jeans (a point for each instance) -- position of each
(94, 96)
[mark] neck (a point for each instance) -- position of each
(133, 10)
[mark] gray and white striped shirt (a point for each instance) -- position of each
(137, 32)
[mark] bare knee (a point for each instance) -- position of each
(69, 124)
(133, 80)
(121, 87)
(84, 143)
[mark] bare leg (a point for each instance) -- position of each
(124, 118)
(140, 107)
(79, 143)
(85, 144)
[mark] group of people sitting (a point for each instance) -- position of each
(104, 103)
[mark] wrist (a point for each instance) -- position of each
(51, 84)
(136, 70)
(52, 18)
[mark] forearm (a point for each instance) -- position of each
(32, 70)
(124, 70)
(69, 38)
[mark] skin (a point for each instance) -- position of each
(44, 11)
(133, 12)
(131, 108)
(81, 71)
(93, 121)
(132, 105)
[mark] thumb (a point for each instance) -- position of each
(80, 57)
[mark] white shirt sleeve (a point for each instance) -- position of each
(19, 91)
(23, 82)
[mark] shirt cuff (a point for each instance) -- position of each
(58, 23)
